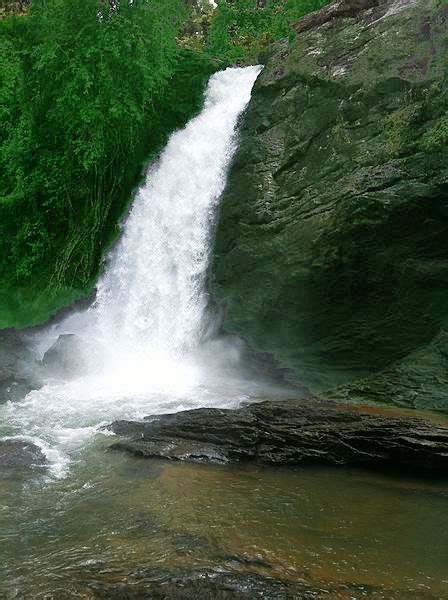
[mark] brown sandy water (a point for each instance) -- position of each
(115, 516)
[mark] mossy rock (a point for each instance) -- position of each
(332, 243)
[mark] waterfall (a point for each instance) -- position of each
(153, 289)
(138, 349)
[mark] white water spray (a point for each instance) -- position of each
(140, 341)
(153, 291)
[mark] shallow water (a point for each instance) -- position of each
(116, 515)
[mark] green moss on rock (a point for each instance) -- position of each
(332, 244)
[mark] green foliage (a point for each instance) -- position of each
(241, 29)
(420, 122)
(401, 124)
(87, 94)
(197, 28)
(437, 137)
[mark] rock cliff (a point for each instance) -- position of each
(332, 242)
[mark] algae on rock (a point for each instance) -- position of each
(332, 243)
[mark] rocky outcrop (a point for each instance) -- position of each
(69, 357)
(19, 454)
(17, 362)
(332, 243)
(419, 380)
(290, 432)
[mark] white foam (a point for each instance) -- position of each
(140, 339)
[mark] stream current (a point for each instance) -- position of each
(149, 344)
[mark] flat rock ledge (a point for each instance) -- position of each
(290, 432)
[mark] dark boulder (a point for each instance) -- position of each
(58, 358)
(290, 432)
(17, 367)
(20, 454)
(67, 357)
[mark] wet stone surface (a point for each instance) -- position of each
(16, 367)
(289, 432)
(222, 585)
(22, 455)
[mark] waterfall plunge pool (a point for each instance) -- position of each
(347, 534)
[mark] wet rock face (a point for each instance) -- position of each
(17, 376)
(332, 243)
(64, 358)
(289, 432)
(69, 357)
(22, 455)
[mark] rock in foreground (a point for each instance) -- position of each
(199, 584)
(20, 454)
(221, 584)
(17, 367)
(289, 432)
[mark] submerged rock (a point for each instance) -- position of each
(289, 432)
(201, 584)
(332, 242)
(223, 584)
(19, 454)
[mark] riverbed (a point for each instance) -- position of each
(347, 533)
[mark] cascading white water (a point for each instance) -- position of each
(139, 343)
(153, 290)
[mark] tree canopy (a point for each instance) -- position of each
(89, 91)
